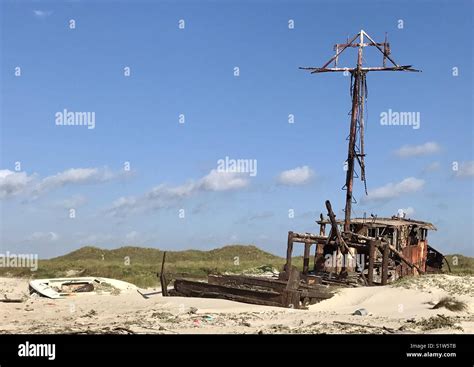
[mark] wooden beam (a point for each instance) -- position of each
(335, 228)
(163, 281)
(322, 226)
(385, 264)
(319, 257)
(289, 251)
(307, 249)
(12, 300)
(341, 50)
(367, 69)
(317, 291)
(376, 44)
(293, 279)
(189, 288)
(370, 279)
(290, 296)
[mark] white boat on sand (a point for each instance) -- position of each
(66, 287)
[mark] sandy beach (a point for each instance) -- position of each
(390, 309)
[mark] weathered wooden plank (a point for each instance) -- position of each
(385, 264)
(289, 250)
(309, 237)
(371, 262)
(12, 300)
(291, 298)
(277, 285)
(163, 281)
(335, 228)
(238, 280)
(293, 279)
(205, 290)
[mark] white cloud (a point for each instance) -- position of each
(13, 183)
(223, 181)
(42, 13)
(418, 150)
(393, 190)
(43, 236)
(296, 176)
(163, 196)
(73, 176)
(123, 205)
(465, 169)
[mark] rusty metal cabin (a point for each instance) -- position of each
(406, 235)
(373, 251)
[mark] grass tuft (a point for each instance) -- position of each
(451, 303)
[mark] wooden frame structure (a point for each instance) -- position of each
(383, 248)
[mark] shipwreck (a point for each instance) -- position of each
(347, 252)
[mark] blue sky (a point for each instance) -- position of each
(190, 71)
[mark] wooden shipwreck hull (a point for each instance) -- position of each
(292, 293)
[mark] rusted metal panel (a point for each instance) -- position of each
(416, 254)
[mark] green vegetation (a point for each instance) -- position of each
(454, 284)
(459, 264)
(140, 265)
